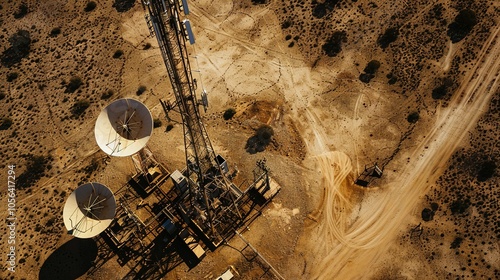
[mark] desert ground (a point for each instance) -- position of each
(412, 86)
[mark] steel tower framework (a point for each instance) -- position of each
(211, 195)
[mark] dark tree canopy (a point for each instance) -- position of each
(123, 5)
(257, 2)
(19, 48)
(79, 107)
(21, 11)
(486, 171)
(334, 45)
(260, 140)
(35, 169)
(462, 25)
(90, 6)
(459, 206)
(5, 123)
(372, 67)
(229, 113)
(413, 117)
(74, 83)
(427, 214)
(389, 36)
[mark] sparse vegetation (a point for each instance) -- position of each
(5, 123)
(169, 127)
(147, 46)
(157, 123)
(35, 169)
(74, 83)
(92, 167)
(90, 6)
(2, 95)
(118, 54)
(141, 90)
(229, 113)
(79, 107)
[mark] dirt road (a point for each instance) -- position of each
(357, 246)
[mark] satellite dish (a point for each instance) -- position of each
(89, 210)
(123, 128)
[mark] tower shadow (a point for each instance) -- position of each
(69, 261)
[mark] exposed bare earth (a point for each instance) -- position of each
(267, 62)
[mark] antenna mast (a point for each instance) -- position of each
(211, 195)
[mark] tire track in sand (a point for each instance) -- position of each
(355, 248)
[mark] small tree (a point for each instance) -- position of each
(372, 67)
(55, 31)
(141, 90)
(5, 123)
(107, 94)
(261, 139)
(12, 76)
(157, 123)
(74, 83)
(390, 35)
(90, 6)
(463, 24)
(22, 11)
(79, 107)
(229, 113)
(118, 54)
(413, 117)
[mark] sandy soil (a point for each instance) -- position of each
(267, 62)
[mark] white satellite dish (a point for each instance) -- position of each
(89, 210)
(123, 128)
